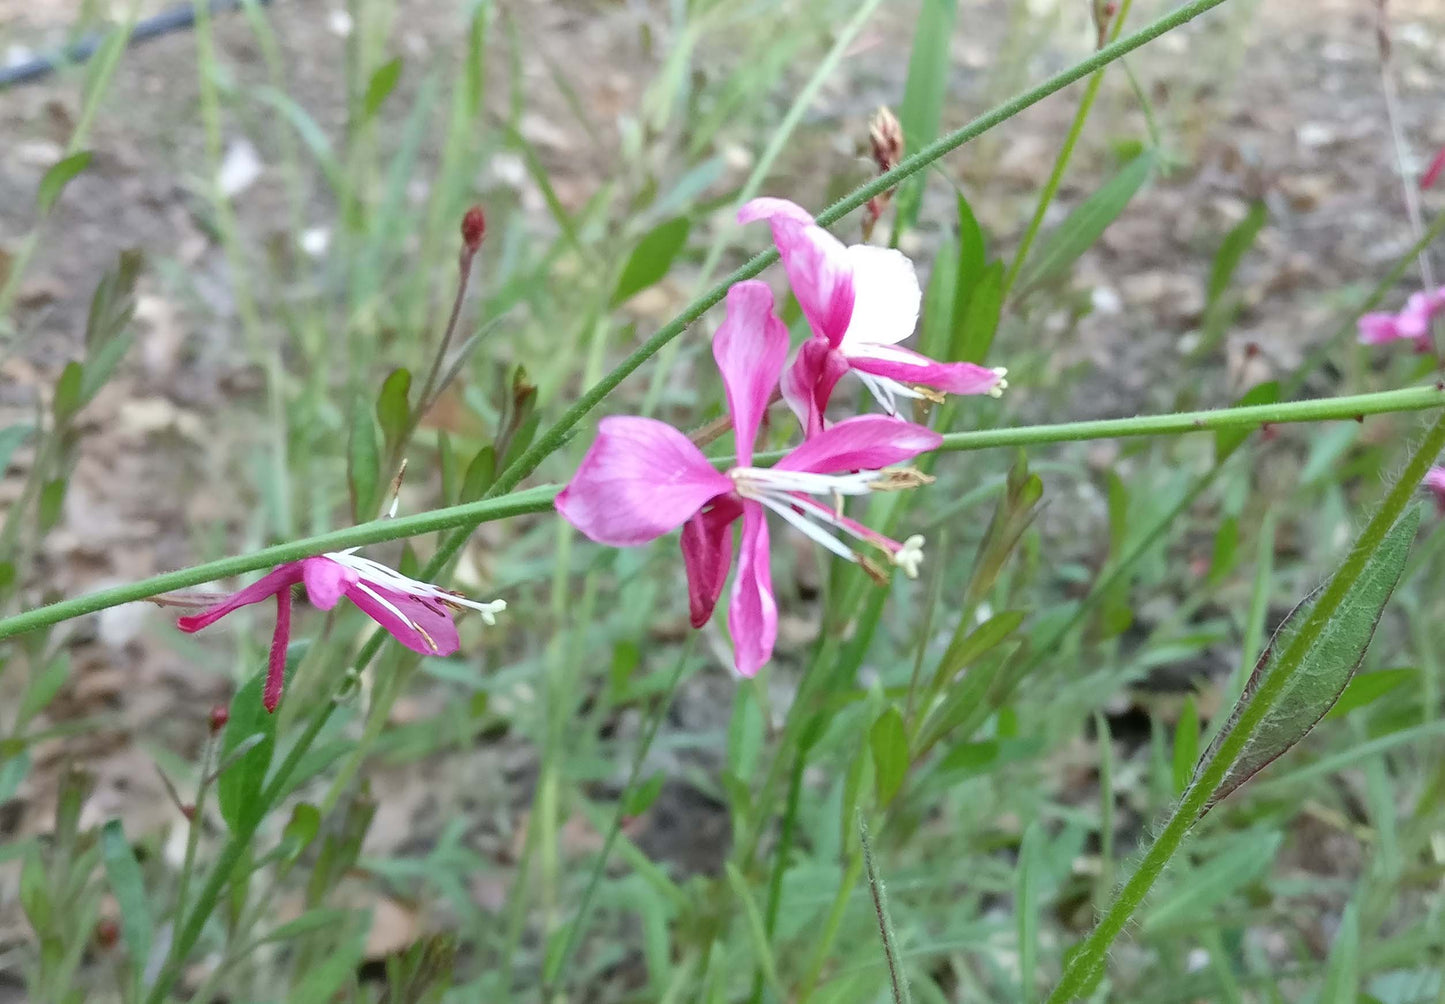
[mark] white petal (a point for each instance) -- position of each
(886, 297)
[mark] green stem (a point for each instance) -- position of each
(539, 499)
(557, 435)
(1086, 962)
(190, 931)
(520, 503)
(1316, 410)
(1061, 162)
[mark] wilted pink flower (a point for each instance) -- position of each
(417, 614)
(1435, 482)
(860, 302)
(1413, 322)
(642, 478)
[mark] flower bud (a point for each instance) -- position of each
(218, 718)
(885, 136)
(474, 228)
(107, 932)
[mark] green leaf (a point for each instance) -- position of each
(929, 70)
(311, 920)
(964, 650)
(238, 789)
(67, 393)
(62, 173)
(1186, 745)
(1226, 550)
(1328, 664)
(305, 823)
(1226, 441)
(480, 474)
(973, 338)
(42, 690)
(936, 330)
(1078, 232)
(652, 257)
(392, 409)
(11, 438)
(745, 734)
(126, 884)
(379, 88)
(12, 771)
(1342, 972)
(112, 306)
(47, 506)
(102, 363)
(640, 798)
(972, 259)
(363, 463)
(1366, 688)
(889, 741)
(1218, 308)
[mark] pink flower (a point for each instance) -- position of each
(860, 302)
(1413, 322)
(415, 613)
(1435, 482)
(642, 478)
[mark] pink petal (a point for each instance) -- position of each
(279, 578)
(816, 262)
(886, 297)
(751, 348)
(1434, 170)
(1378, 328)
(1414, 320)
(1435, 482)
(867, 442)
(422, 625)
(326, 580)
(808, 383)
(280, 639)
(752, 611)
(910, 367)
(640, 479)
(707, 551)
(768, 208)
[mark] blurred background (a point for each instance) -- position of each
(294, 174)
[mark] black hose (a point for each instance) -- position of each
(175, 19)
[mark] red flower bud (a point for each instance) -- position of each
(219, 716)
(107, 932)
(474, 228)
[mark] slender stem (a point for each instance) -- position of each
(552, 440)
(197, 821)
(599, 867)
(1317, 410)
(423, 404)
(1086, 962)
(539, 499)
(896, 977)
(520, 503)
(190, 931)
(1061, 162)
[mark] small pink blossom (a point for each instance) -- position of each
(1435, 483)
(417, 614)
(860, 302)
(1413, 322)
(642, 478)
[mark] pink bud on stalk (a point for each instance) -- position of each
(474, 228)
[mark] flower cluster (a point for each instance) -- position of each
(642, 478)
(1412, 323)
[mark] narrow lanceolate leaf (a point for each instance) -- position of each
(1084, 225)
(924, 92)
(363, 463)
(392, 409)
(60, 175)
(128, 887)
(889, 741)
(1326, 668)
(652, 258)
(379, 88)
(238, 789)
